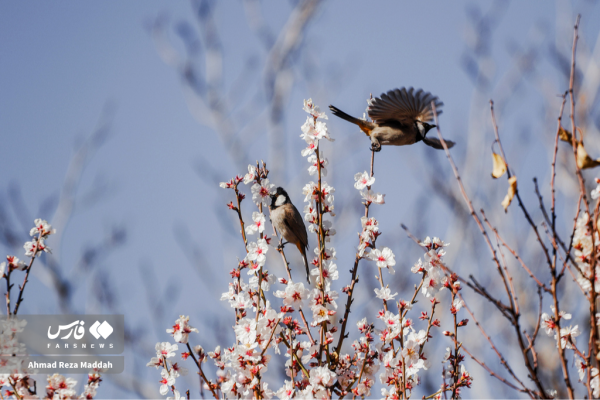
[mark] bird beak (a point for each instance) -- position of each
(433, 126)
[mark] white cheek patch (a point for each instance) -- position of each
(420, 127)
(280, 200)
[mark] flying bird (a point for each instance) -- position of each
(400, 117)
(289, 223)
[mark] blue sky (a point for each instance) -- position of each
(63, 63)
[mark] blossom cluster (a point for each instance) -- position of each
(363, 183)
(432, 267)
(18, 383)
(170, 371)
(62, 388)
(9, 327)
(278, 317)
(33, 248)
(22, 386)
(586, 243)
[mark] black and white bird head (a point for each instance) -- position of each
(279, 198)
(423, 127)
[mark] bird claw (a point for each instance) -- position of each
(375, 147)
(281, 244)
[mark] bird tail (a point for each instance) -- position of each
(303, 252)
(365, 126)
(437, 144)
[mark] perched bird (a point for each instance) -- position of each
(400, 117)
(289, 223)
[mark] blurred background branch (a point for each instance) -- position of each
(143, 224)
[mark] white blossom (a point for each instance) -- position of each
(259, 223)
(385, 294)
(363, 180)
(313, 109)
(251, 175)
(371, 197)
(294, 295)
(261, 192)
(384, 258)
(181, 329)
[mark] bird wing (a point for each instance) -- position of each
(437, 144)
(299, 229)
(404, 105)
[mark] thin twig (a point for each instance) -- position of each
(26, 279)
(526, 360)
(354, 281)
(208, 383)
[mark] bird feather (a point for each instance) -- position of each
(404, 105)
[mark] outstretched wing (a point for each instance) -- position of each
(437, 144)
(404, 105)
